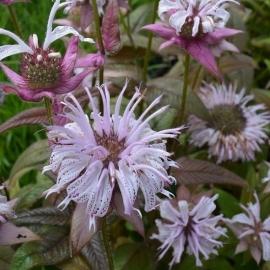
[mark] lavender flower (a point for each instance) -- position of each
(191, 224)
(235, 130)
(252, 232)
(198, 27)
(44, 72)
(105, 160)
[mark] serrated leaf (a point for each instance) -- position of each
(195, 172)
(262, 96)
(53, 249)
(11, 234)
(33, 116)
(6, 254)
(110, 29)
(95, 253)
(81, 234)
(29, 194)
(44, 216)
(133, 257)
(34, 155)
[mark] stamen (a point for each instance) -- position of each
(39, 57)
(35, 40)
(54, 54)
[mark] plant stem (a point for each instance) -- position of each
(48, 107)
(14, 21)
(106, 242)
(100, 45)
(184, 92)
(180, 118)
(149, 45)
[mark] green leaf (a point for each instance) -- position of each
(6, 254)
(262, 96)
(228, 204)
(33, 156)
(76, 263)
(133, 257)
(194, 172)
(218, 263)
(29, 194)
(53, 249)
(171, 89)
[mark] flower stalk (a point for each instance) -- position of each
(48, 107)
(14, 21)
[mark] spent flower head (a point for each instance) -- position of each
(43, 71)
(189, 224)
(104, 161)
(198, 27)
(236, 130)
(8, 2)
(254, 234)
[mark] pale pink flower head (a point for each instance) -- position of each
(105, 160)
(254, 234)
(191, 224)
(87, 16)
(236, 129)
(198, 26)
(43, 71)
(8, 2)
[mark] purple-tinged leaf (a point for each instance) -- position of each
(33, 116)
(44, 216)
(95, 253)
(11, 234)
(53, 249)
(195, 172)
(80, 233)
(110, 29)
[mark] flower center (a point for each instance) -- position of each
(41, 69)
(186, 30)
(113, 146)
(229, 119)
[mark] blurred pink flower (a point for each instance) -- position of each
(44, 71)
(235, 130)
(198, 27)
(252, 232)
(190, 224)
(104, 161)
(86, 17)
(7, 2)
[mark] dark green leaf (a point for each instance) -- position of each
(6, 254)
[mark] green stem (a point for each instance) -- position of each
(100, 45)
(184, 92)
(14, 21)
(48, 107)
(180, 118)
(149, 45)
(106, 242)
